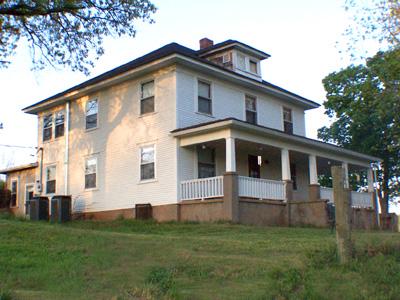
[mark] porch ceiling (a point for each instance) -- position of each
(246, 132)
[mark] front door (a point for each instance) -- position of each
(29, 188)
(254, 167)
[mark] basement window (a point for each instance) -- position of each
(204, 98)
(147, 98)
(51, 180)
(91, 173)
(14, 189)
(47, 127)
(92, 108)
(147, 162)
(59, 120)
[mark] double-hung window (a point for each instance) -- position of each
(287, 120)
(14, 189)
(147, 162)
(92, 108)
(251, 109)
(59, 120)
(206, 162)
(253, 67)
(51, 180)
(204, 98)
(47, 127)
(91, 173)
(147, 97)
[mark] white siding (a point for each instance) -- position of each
(116, 143)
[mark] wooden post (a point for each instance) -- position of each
(342, 200)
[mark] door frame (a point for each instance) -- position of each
(28, 186)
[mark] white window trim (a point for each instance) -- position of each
(97, 173)
(140, 163)
(283, 119)
(140, 97)
(45, 179)
(245, 109)
(31, 184)
(52, 127)
(196, 98)
(98, 113)
(54, 124)
(16, 192)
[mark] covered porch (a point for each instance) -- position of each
(266, 164)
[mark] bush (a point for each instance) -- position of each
(5, 198)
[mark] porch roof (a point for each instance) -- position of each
(19, 168)
(313, 146)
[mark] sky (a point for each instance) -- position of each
(300, 36)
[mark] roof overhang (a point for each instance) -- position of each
(19, 168)
(247, 131)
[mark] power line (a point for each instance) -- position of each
(17, 146)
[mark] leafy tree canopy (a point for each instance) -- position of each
(364, 104)
(67, 32)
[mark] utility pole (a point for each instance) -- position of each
(342, 199)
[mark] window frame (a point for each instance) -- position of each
(213, 164)
(48, 127)
(210, 99)
(14, 193)
(141, 147)
(255, 112)
(293, 176)
(96, 173)
(251, 61)
(55, 180)
(97, 113)
(287, 122)
(55, 124)
(141, 100)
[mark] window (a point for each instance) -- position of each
(51, 180)
(147, 98)
(251, 109)
(91, 173)
(204, 98)
(14, 189)
(293, 175)
(253, 67)
(92, 108)
(47, 127)
(147, 163)
(206, 162)
(287, 120)
(59, 120)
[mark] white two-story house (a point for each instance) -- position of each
(198, 134)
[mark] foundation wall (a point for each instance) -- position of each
(262, 212)
(308, 213)
(202, 211)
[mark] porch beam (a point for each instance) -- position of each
(230, 154)
(312, 165)
(285, 162)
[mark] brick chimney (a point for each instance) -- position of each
(206, 42)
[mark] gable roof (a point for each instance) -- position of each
(163, 52)
(19, 168)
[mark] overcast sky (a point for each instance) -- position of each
(300, 36)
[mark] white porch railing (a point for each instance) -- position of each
(358, 199)
(261, 188)
(204, 188)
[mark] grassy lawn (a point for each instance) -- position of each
(127, 259)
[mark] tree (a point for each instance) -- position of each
(67, 32)
(377, 20)
(364, 102)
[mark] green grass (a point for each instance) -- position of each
(127, 259)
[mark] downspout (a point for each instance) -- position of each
(40, 189)
(66, 152)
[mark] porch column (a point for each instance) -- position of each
(314, 192)
(230, 154)
(345, 167)
(285, 161)
(370, 178)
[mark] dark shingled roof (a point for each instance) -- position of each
(169, 49)
(227, 43)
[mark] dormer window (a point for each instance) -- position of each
(241, 62)
(253, 67)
